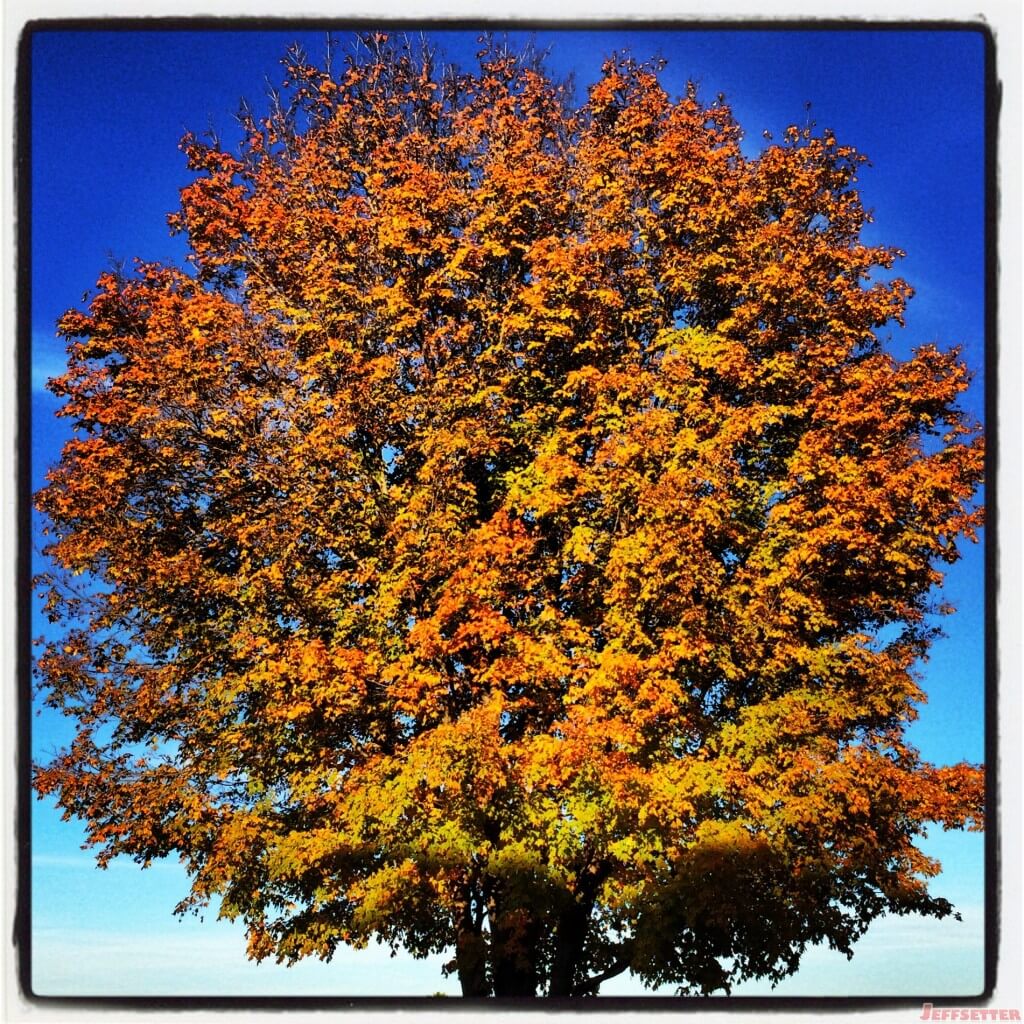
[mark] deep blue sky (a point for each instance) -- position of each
(108, 111)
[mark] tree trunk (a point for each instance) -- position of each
(471, 963)
(515, 975)
(514, 939)
(569, 936)
(471, 946)
(567, 979)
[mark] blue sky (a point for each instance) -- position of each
(108, 111)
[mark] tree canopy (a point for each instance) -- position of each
(510, 535)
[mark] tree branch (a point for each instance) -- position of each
(591, 985)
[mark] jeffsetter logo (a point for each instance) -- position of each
(929, 1012)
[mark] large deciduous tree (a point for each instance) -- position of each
(510, 536)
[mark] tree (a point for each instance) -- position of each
(510, 536)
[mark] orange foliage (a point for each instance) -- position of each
(510, 536)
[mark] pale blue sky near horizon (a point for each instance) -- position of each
(108, 109)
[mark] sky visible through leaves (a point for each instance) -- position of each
(108, 111)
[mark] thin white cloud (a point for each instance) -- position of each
(85, 862)
(197, 960)
(49, 358)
